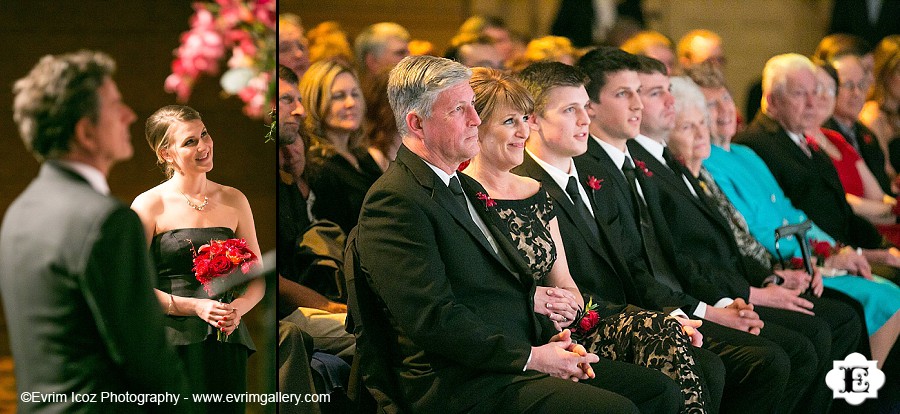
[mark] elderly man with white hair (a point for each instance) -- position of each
(805, 173)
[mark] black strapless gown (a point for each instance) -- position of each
(212, 366)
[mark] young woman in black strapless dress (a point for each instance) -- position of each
(180, 215)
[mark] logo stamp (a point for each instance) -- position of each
(855, 379)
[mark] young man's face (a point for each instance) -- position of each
(617, 114)
(563, 124)
(658, 115)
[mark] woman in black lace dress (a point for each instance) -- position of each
(519, 207)
(180, 215)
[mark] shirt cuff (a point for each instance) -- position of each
(679, 313)
(525, 368)
(700, 312)
(723, 302)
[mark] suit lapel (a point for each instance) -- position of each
(494, 223)
(596, 153)
(444, 197)
(675, 180)
(560, 198)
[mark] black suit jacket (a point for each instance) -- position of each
(869, 150)
(461, 321)
(704, 245)
(812, 184)
(612, 205)
(77, 290)
(595, 263)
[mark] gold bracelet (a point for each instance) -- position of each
(171, 304)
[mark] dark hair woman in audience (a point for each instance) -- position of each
(179, 216)
(338, 167)
(523, 211)
(381, 128)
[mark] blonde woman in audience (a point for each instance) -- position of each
(547, 48)
(653, 44)
(339, 168)
(882, 112)
(328, 41)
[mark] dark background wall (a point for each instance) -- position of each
(140, 36)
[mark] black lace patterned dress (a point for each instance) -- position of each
(642, 337)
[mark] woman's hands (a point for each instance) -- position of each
(222, 316)
(558, 304)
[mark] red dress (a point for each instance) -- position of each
(846, 166)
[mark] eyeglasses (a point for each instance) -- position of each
(862, 85)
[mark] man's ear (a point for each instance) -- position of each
(770, 98)
(85, 130)
(533, 122)
(414, 124)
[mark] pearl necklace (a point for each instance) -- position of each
(195, 206)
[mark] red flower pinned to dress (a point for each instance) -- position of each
(594, 183)
(643, 166)
(867, 138)
(812, 143)
(488, 201)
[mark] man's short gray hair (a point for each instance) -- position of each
(374, 38)
(58, 92)
(415, 83)
(776, 72)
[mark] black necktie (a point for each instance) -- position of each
(637, 204)
(670, 160)
(575, 195)
(652, 249)
(458, 194)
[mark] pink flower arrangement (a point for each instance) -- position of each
(594, 183)
(243, 28)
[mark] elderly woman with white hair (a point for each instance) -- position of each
(690, 141)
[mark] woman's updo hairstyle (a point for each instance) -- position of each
(158, 126)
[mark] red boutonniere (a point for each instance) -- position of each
(594, 183)
(488, 201)
(796, 263)
(867, 138)
(585, 321)
(812, 143)
(643, 166)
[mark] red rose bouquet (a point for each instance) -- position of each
(585, 321)
(214, 262)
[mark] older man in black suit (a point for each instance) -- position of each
(807, 176)
(462, 334)
(74, 270)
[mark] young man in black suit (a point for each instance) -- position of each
(462, 334)
(705, 247)
(757, 370)
(560, 132)
(74, 271)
